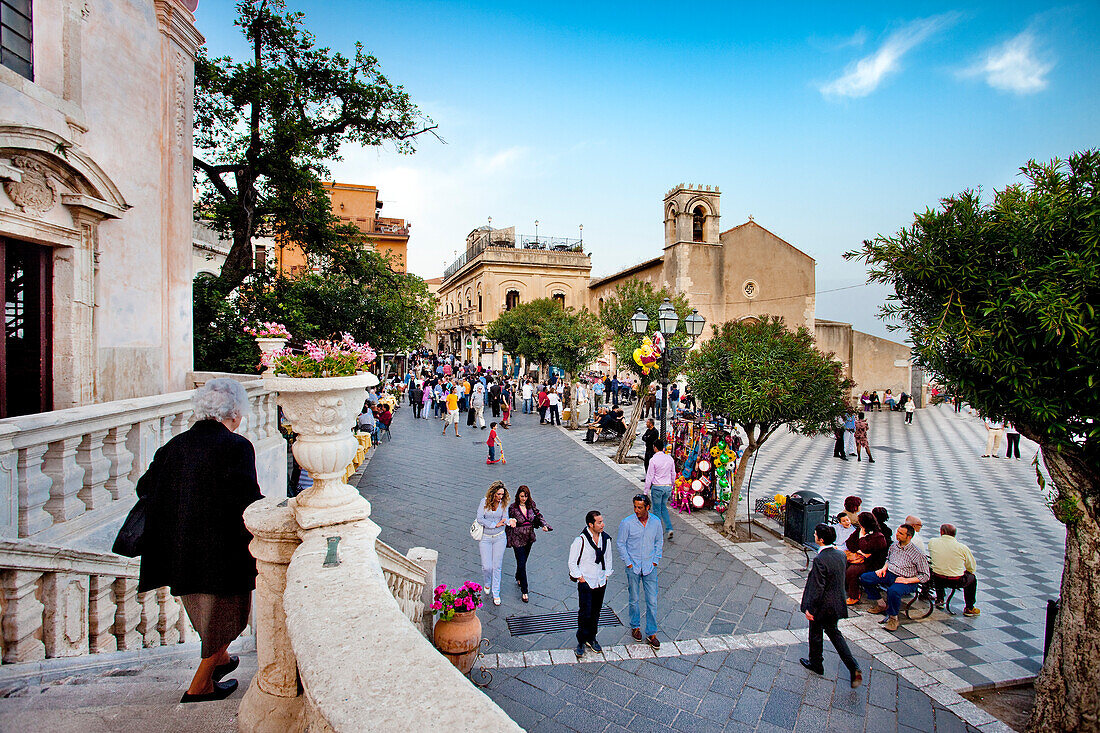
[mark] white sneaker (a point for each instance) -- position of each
(496, 601)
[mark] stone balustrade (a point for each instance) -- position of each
(62, 472)
(336, 650)
(60, 602)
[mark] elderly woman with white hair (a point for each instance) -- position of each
(195, 541)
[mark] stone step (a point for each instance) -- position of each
(139, 693)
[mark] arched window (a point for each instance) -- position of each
(698, 217)
(511, 299)
(599, 305)
(559, 298)
(479, 297)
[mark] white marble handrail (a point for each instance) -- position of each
(370, 669)
(60, 602)
(56, 467)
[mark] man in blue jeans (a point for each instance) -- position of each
(640, 540)
(659, 479)
(905, 569)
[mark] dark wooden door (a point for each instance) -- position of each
(26, 376)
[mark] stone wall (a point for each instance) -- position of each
(870, 361)
(111, 189)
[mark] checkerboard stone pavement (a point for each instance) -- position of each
(728, 613)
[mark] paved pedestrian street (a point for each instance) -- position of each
(730, 628)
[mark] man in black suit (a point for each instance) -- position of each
(823, 603)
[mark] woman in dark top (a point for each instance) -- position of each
(522, 536)
(195, 541)
(866, 552)
(649, 437)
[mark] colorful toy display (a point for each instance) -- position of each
(706, 454)
(647, 354)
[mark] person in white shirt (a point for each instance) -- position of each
(995, 433)
(553, 417)
(528, 402)
(590, 566)
(844, 529)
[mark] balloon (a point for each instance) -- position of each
(723, 482)
(714, 452)
(721, 445)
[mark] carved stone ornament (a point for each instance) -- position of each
(35, 194)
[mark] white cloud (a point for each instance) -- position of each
(864, 76)
(1013, 66)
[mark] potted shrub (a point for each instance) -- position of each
(457, 628)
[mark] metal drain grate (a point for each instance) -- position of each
(550, 622)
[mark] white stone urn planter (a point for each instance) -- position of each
(269, 346)
(322, 411)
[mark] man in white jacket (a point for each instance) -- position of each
(590, 566)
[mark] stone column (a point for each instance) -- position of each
(427, 559)
(272, 702)
(127, 614)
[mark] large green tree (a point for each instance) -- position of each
(1001, 302)
(615, 314)
(519, 330)
(573, 339)
(266, 126)
(392, 311)
(762, 376)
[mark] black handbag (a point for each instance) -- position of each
(129, 542)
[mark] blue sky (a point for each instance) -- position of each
(829, 123)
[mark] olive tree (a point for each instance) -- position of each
(1001, 301)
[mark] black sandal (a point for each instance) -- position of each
(221, 691)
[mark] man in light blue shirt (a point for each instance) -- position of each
(641, 538)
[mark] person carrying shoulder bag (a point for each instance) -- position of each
(590, 566)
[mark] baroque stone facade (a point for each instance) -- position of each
(96, 173)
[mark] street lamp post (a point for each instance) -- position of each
(668, 322)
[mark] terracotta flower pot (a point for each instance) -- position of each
(459, 639)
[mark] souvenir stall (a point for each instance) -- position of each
(706, 451)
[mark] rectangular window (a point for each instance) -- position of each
(15, 37)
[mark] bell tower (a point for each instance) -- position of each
(691, 215)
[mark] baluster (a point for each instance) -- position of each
(9, 488)
(127, 614)
(167, 618)
(142, 442)
(179, 423)
(59, 463)
(101, 614)
(65, 620)
(97, 469)
(183, 624)
(121, 460)
(147, 626)
(34, 491)
(270, 415)
(21, 623)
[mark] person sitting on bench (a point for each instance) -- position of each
(905, 569)
(594, 427)
(953, 567)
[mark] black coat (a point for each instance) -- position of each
(824, 593)
(649, 437)
(198, 486)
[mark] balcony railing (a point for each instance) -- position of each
(522, 241)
